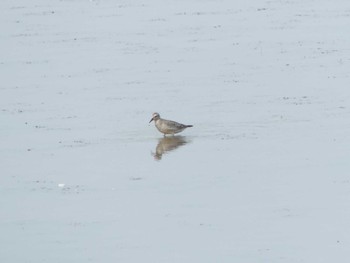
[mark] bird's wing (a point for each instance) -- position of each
(177, 125)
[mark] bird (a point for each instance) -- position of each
(166, 126)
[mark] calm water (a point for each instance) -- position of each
(261, 177)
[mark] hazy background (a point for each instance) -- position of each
(263, 176)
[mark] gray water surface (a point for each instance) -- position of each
(261, 177)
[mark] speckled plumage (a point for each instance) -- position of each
(167, 126)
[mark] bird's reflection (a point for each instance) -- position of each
(168, 144)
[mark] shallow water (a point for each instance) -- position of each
(261, 177)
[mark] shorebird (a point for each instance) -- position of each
(166, 126)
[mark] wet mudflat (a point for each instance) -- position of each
(261, 177)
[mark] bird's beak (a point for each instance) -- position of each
(151, 120)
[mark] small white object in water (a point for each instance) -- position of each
(61, 185)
